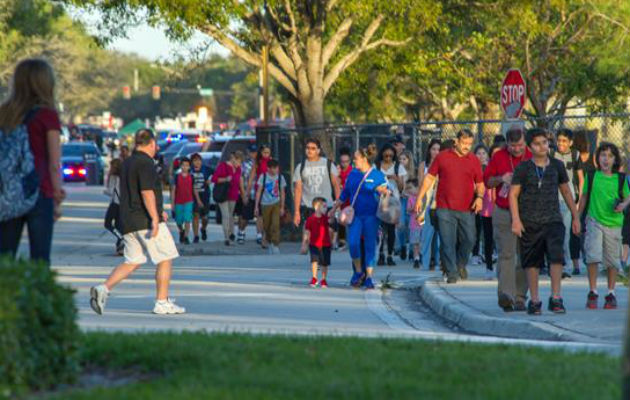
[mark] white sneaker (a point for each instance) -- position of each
(98, 298)
(489, 275)
(167, 306)
(275, 249)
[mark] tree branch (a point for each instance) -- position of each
(249, 57)
(342, 32)
(331, 4)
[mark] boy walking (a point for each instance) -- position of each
(603, 203)
(536, 217)
(201, 185)
(271, 195)
(182, 196)
(317, 238)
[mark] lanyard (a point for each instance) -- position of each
(540, 173)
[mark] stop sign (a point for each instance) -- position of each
(513, 94)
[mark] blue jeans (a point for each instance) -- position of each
(402, 229)
(457, 233)
(430, 247)
(39, 222)
(366, 226)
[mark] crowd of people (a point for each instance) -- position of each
(534, 202)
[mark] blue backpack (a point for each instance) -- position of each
(19, 182)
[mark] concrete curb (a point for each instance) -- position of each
(467, 318)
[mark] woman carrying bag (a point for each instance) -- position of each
(363, 187)
(226, 191)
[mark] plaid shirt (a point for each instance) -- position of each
(246, 168)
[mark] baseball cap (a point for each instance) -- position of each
(252, 148)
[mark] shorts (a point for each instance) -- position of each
(602, 244)
(539, 241)
(320, 255)
(625, 231)
(184, 213)
(415, 236)
(139, 244)
(245, 211)
(201, 211)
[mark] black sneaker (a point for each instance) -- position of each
(390, 261)
(381, 260)
(556, 305)
(611, 302)
(403, 253)
(432, 266)
(565, 275)
(232, 237)
(181, 237)
(227, 242)
(204, 235)
(463, 273)
(451, 279)
(416, 264)
(186, 240)
(506, 303)
(196, 239)
(534, 308)
(576, 271)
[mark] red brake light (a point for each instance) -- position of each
(82, 171)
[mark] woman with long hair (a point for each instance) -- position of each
(258, 169)
(430, 239)
(31, 101)
(112, 216)
(396, 176)
(229, 172)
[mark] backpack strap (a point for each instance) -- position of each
(264, 181)
(302, 166)
(329, 169)
(589, 188)
(622, 180)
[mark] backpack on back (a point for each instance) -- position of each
(19, 181)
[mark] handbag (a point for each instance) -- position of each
(389, 209)
(220, 192)
(346, 216)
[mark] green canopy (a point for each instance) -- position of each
(131, 127)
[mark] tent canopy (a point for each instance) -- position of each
(131, 128)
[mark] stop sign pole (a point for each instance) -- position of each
(513, 96)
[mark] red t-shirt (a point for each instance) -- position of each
(502, 162)
(318, 227)
(44, 120)
(343, 175)
(184, 189)
(457, 178)
(223, 171)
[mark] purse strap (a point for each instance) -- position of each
(356, 194)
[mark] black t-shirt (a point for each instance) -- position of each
(138, 173)
(538, 202)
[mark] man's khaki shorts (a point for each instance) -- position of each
(160, 248)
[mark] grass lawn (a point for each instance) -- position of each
(221, 366)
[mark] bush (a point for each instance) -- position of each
(39, 337)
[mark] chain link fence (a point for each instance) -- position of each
(287, 144)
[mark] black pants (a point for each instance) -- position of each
(112, 220)
(484, 224)
(389, 234)
(39, 222)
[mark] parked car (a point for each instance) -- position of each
(74, 156)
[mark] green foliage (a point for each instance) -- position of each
(39, 336)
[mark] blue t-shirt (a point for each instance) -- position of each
(367, 200)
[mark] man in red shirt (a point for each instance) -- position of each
(459, 197)
(512, 290)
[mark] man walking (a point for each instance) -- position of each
(314, 177)
(459, 196)
(144, 227)
(512, 289)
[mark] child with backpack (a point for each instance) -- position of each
(182, 200)
(317, 238)
(606, 196)
(112, 215)
(270, 195)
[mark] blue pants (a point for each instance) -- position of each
(457, 232)
(366, 226)
(39, 222)
(402, 230)
(430, 243)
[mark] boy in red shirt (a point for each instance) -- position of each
(182, 200)
(317, 237)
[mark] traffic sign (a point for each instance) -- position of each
(513, 94)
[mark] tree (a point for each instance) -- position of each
(311, 43)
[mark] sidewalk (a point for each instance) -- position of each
(472, 306)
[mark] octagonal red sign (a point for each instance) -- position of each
(513, 94)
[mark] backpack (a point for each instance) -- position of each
(19, 181)
(328, 168)
(589, 187)
(575, 160)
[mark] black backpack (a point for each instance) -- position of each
(328, 168)
(589, 187)
(575, 160)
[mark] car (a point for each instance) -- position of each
(191, 135)
(74, 159)
(238, 143)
